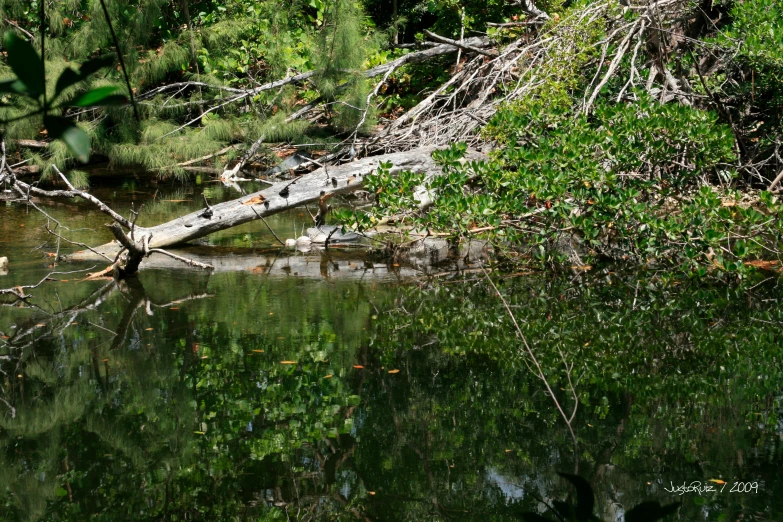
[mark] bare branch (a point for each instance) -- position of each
(459, 45)
(270, 228)
(208, 156)
(190, 262)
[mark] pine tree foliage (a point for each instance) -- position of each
(240, 43)
(343, 49)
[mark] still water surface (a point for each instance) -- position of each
(351, 392)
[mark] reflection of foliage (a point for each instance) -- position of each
(420, 411)
(654, 377)
(119, 429)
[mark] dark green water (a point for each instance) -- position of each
(265, 394)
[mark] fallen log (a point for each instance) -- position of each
(280, 196)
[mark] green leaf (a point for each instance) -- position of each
(650, 512)
(26, 64)
(67, 78)
(115, 99)
(60, 492)
(91, 66)
(99, 96)
(12, 86)
(77, 141)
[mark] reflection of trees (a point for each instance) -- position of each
(90, 413)
(207, 422)
(107, 413)
(655, 380)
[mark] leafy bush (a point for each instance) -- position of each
(649, 183)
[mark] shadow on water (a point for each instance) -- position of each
(236, 395)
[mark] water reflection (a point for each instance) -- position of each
(180, 395)
(328, 390)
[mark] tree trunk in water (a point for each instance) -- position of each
(277, 198)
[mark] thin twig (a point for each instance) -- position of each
(122, 61)
(267, 226)
(539, 370)
(20, 29)
(208, 156)
(87, 247)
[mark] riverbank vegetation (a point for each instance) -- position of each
(638, 133)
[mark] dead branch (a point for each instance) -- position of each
(775, 181)
(269, 228)
(460, 45)
(624, 45)
(31, 144)
(184, 85)
(208, 156)
(367, 102)
(77, 243)
(20, 29)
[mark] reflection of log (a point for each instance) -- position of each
(279, 197)
(331, 264)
